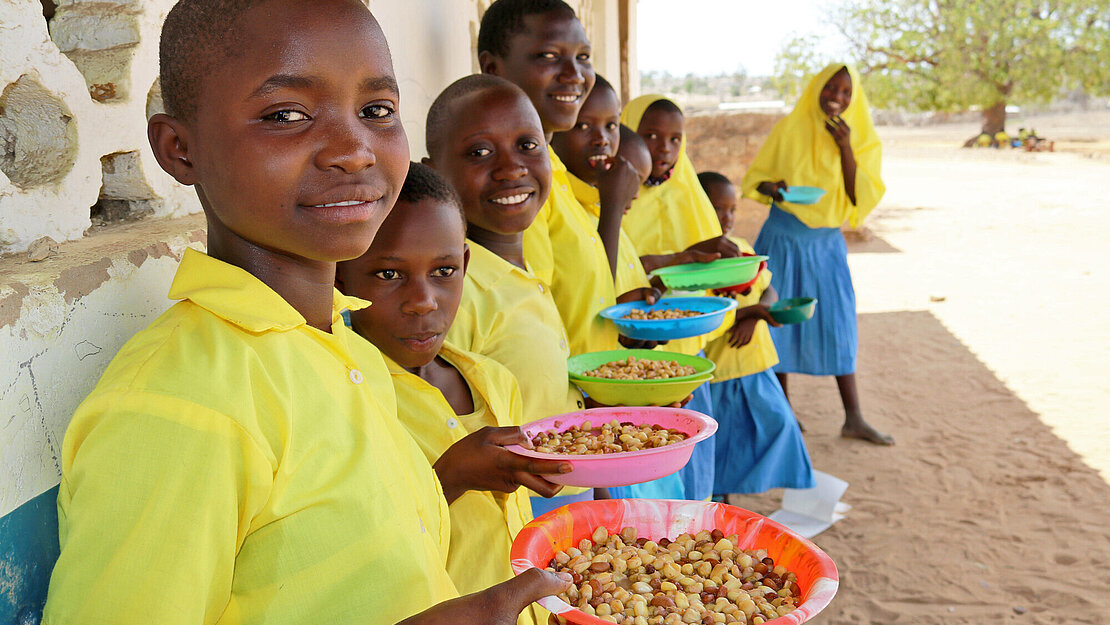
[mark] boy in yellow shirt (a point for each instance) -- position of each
(542, 47)
(202, 482)
(485, 138)
(460, 407)
(759, 444)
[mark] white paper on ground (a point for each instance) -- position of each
(810, 511)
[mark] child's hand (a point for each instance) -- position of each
(632, 343)
(696, 256)
(496, 605)
(646, 294)
(481, 462)
(840, 132)
(719, 245)
(740, 334)
(772, 189)
(618, 185)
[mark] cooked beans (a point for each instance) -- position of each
(696, 578)
(633, 368)
(610, 438)
(661, 313)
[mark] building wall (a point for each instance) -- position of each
(74, 99)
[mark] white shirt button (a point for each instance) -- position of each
(601, 300)
(565, 187)
(541, 287)
(563, 343)
(452, 423)
(356, 376)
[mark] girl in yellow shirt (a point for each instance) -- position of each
(827, 141)
(759, 444)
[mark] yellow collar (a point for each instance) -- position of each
(235, 295)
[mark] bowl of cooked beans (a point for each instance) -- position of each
(660, 562)
(670, 317)
(638, 377)
(617, 446)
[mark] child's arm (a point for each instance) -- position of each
(480, 462)
(652, 262)
(616, 186)
(842, 134)
(497, 605)
(740, 334)
(770, 296)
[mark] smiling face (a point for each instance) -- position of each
(595, 138)
(294, 148)
(836, 94)
(413, 274)
(662, 132)
(550, 61)
(496, 158)
(723, 198)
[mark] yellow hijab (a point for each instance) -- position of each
(801, 152)
(672, 216)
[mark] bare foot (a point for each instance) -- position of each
(867, 432)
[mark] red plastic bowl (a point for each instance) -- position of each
(629, 467)
(564, 527)
(740, 288)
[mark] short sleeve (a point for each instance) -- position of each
(157, 497)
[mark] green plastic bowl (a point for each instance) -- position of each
(647, 393)
(714, 275)
(580, 364)
(793, 310)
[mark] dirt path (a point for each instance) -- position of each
(985, 350)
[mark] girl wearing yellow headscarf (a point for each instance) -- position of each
(827, 141)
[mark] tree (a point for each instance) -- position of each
(795, 63)
(945, 55)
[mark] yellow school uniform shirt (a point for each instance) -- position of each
(759, 354)
(581, 281)
(630, 271)
(483, 523)
(801, 151)
(235, 465)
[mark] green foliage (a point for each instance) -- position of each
(945, 55)
(796, 62)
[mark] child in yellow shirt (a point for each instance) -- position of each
(484, 137)
(459, 406)
(240, 460)
(759, 444)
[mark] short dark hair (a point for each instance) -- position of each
(505, 18)
(663, 105)
(710, 178)
(442, 112)
(196, 36)
(425, 183)
(604, 84)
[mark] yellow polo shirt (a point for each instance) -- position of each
(483, 523)
(581, 282)
(630, 271)
(759, 354)
(236, 465)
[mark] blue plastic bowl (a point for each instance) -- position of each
(713, 309)
(802, 195)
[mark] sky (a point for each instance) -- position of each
(719, 36)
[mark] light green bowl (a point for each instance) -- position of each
(646, 393)
(719, 273)
(793, 310)
(580, 364)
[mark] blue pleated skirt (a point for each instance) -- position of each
(758, 443)
(811, 262)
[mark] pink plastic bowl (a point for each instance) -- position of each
(559, 529)
(632, 467)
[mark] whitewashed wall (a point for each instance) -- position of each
(73, 106)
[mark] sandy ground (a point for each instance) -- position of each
(985, 350)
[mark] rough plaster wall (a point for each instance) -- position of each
(74, 100)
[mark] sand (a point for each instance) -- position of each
(982, 285)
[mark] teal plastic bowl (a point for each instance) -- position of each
(712, 275)
(802, 195)
(793, 310)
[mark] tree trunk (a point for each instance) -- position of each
(994, 118)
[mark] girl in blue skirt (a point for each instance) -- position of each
(759, 445)
(827, 141)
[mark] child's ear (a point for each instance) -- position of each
(466, 257)
(490, 63)
(427, 160)
(169, 139)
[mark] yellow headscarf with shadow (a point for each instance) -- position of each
(674, 215)
(802, 152)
